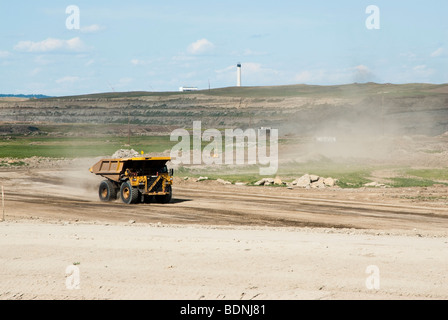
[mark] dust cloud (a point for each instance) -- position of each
(371, 131)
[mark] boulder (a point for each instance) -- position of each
(370, 184)
(223, 181)
(202, 179)
(277, 181)
(302, 182)
(314, 178)
(329, 182)
(264, 182)
(374, 184)
(319, 184)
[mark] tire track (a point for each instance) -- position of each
(198, 206)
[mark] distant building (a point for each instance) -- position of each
(184, 89)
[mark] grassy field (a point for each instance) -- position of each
(66, 147)
(20, 147)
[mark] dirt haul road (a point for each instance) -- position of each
(218, 242)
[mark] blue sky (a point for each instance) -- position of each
(163, 45)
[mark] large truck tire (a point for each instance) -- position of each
(107, 191)
(128, 193)
(148, 199)
(165, 198)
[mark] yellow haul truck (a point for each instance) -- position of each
(135, 180)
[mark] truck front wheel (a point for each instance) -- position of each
(128, 193)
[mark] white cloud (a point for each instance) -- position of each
(51, 44)
(200, 46)
(422, 71)
(138, 62)
(363, 74)
(420, 67)
(35, 71)
(92, 28)
(437, 53)
(67, 80)
(252, 68)
(4, 54)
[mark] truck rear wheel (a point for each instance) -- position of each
(107, 191)
(148, 199)
(165, 198)
(128, 193)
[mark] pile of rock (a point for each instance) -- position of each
(125, 153)
(269, 182)
(221, 181)
(313, 181)
(307, 181)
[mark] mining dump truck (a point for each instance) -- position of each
(135, 180)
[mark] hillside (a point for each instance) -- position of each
(296, 109)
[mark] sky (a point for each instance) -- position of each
(62, 48)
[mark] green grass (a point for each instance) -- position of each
(405, 182)
(64, 147)
(432, 174)
(12, 164)
(425, 198)
(410, 177)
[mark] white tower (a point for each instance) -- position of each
(238, 75)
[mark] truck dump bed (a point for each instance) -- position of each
(113, 169)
